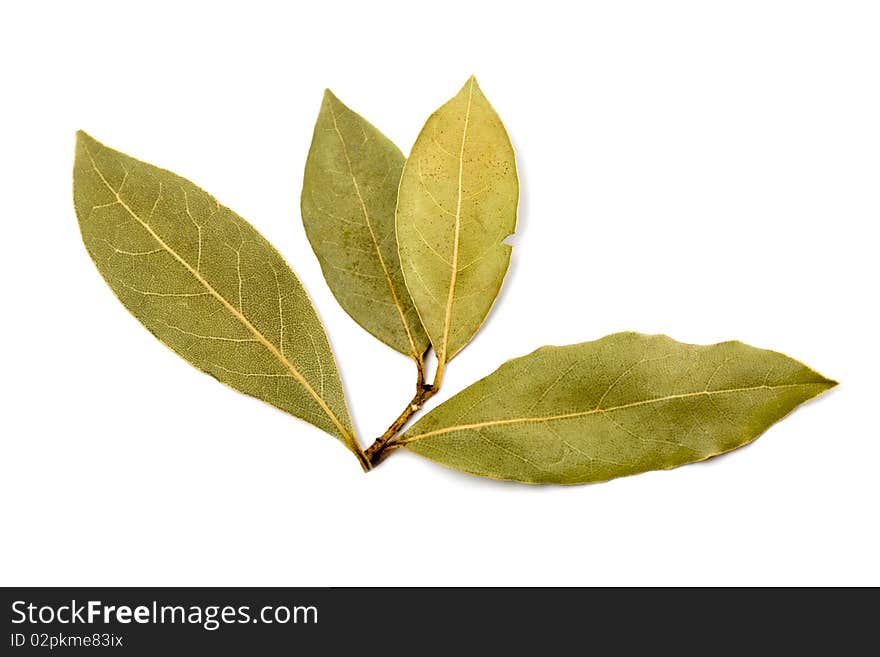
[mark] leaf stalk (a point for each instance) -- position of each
(377, 452)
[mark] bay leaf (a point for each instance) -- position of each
(456, 204)
(348, 199)
(208, 285)
(621, 405)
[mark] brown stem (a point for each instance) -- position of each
(364, 460)
(376, 452)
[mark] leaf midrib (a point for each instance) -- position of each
(357, 191)
(232, 309)
(447, 319)
(596, 411)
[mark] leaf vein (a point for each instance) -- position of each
(596, 411)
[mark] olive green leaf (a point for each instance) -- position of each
(348, 199)
(208, 285)
(456, 204)
(618, 406)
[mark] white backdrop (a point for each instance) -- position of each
(706, 170)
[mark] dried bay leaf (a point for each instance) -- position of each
(208, 285)
(625, 404)
(457, 202)
(348, 199)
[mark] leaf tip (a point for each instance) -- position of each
(85, 141)
(82, 137)
(830, 383)
(332, 99)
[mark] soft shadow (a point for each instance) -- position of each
(477, 483)
(458, 478)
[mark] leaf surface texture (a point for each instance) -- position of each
(456, 204)
(348, 201)
(618, 406)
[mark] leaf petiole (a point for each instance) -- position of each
(376, 452)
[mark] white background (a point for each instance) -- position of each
(706, 170)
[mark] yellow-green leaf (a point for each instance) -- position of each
(618, 406)
(456, 204)
(348, 199)
(208, 285)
